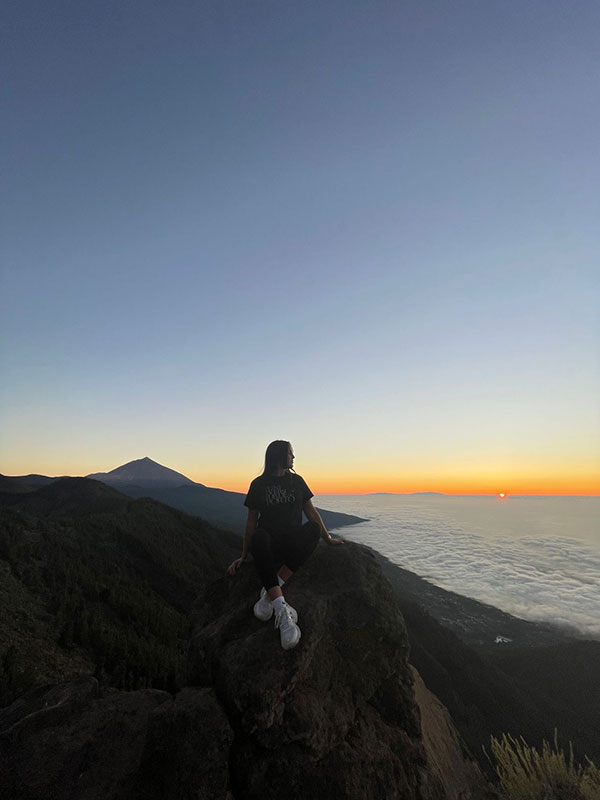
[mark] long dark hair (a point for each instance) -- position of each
(276, 456)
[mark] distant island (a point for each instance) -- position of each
(406, 494)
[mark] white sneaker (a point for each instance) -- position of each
(288, 630)
(263, 608)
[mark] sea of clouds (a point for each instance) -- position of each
(531, 570)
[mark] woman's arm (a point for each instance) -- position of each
(251, 521)
(313, 515)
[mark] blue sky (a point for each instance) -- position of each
(368, 227)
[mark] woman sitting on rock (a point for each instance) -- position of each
(275, 535)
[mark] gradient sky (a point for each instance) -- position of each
(370, 228)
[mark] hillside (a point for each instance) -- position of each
(477, 624)
(105, 584)
(539, 682)
(14, 485)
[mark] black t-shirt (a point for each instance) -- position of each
(278, 500)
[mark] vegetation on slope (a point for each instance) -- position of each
(526, 774)
(116, 587)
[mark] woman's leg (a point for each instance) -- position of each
(265, 560)
(285, 573)
(296, 546)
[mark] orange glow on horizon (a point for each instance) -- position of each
(476, 478)
(322, 485)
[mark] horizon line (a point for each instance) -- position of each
(466, 493)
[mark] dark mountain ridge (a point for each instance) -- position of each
(32, 481)
(69, 497)
(14, 485)
(146, 478)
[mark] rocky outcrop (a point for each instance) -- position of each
(336, 717)
(73, 741)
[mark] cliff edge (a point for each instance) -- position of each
(335, 717)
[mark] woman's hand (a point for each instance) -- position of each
(235, 565)
(331, 540)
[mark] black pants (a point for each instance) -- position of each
(290, 547)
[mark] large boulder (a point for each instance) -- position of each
(335, 717)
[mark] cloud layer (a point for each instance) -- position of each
(548, 578)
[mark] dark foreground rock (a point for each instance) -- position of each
(336, 717)
(75, 741)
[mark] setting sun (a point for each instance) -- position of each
(501, 495)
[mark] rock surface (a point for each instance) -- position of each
(73, 741)
(336, 717)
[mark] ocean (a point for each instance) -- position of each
(535, 557)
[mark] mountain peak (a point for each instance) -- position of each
(140, 462)
(143, 471)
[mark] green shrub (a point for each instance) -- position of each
(525, 774)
